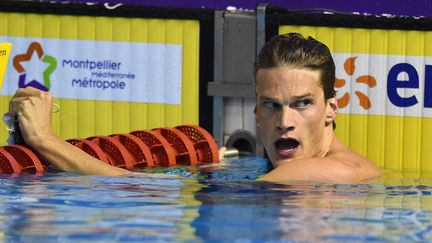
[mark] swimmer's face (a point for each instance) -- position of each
(295, 120)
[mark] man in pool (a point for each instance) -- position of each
(295, 112)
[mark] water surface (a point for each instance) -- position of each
(220, 202)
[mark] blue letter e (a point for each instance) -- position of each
(393, 84)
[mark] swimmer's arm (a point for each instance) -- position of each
(329, 170)
(33, 109)
(67, 157)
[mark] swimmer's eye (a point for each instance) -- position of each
(271, 105)
(302, 104)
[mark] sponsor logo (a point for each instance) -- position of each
(35, 49)
(97, 70)
(370, 81)
(389, 85)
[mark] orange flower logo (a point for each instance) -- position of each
(349, 67)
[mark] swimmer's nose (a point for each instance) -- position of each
(286, 120)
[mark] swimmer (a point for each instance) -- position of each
(295, 112)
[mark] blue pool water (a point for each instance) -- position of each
(220, 202)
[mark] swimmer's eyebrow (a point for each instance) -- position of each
(268, 98)
(295, 97)
(303, 96)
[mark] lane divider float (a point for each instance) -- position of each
(160, 147)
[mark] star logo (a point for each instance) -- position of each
(35, 50)
(370, 81)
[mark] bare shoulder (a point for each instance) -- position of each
(355, 166)
(340, 165)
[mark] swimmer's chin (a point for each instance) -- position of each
(279, 161)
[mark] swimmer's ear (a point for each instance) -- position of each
(332, 110)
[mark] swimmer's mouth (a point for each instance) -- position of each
(286, 147)
(287, 144)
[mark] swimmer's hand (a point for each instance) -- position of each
(222, 151)
(225, 152)
(33, 110)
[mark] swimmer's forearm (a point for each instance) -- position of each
(67, 157)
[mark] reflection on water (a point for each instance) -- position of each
(220, 202)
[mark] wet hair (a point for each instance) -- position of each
(293, 50)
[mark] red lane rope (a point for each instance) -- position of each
(161, 147)
(163, 153)
(183, 147)
(205, 145)
(117, 154)
(8, 163)
(26, 159)
(140, 152)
